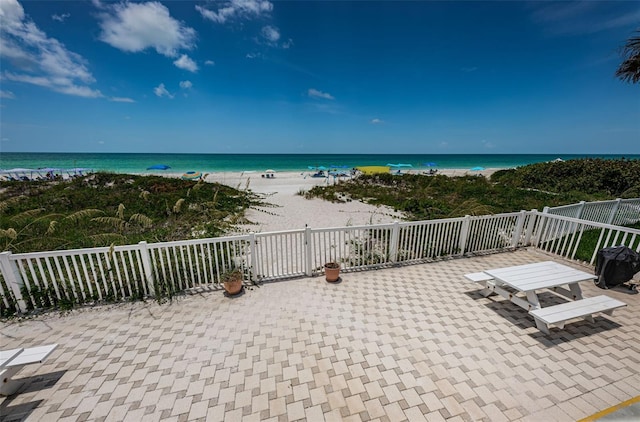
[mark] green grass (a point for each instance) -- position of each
(589, 242)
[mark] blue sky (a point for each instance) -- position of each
(259, 76)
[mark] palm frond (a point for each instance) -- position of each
(111, 221)
(4, 205)
(27, 215)
(86, 213)
(52, 228)
(120, 212)
(141, 220)
(145, 194)
(178, 206)
(10, 233)
(629, 69)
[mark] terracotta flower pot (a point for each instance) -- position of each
(332, 271)
(232, 282)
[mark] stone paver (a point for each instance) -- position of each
(407, 343)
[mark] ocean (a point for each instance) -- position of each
(211, 163)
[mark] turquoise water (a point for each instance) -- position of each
(138, 163)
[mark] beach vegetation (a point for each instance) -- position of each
(107, 208)
(534, 186)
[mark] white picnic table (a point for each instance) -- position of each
(530, 279)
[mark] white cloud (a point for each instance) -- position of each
(134, 27)
(39, 60)
(271, 33)
(7, 94)
(121, 100)
(469, 69)
(210, 63)
(287, 44)
(314, 93)
(61, 18)
(579, 18)
(241, 9)
(161, 91)
(185, 84)
(185, 62)
(486, 144)
(376, 121)
(252, 55)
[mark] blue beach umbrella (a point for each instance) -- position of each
(159, 167)
(430, 164)
(478, 168)
(399, 165)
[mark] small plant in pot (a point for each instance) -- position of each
(232, 281)
(332, 271)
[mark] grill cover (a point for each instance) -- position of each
(616, 265)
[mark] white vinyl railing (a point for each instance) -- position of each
(68, 277)
(619, 212)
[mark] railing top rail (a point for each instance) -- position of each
(362, 227)
(293, 231)
(73, 252)
(199, 241)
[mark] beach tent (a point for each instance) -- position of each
(373, 169)
(399, 165)
(77, 171)
(20, 173)
(159, 167)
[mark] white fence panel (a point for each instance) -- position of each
(197, 263)
(429, 240)
(491, 232)
(617, 212)
(280, 254)
(563, 236)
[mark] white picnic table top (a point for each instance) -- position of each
(541, 275)
(6, 356)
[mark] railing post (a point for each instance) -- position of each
(464, 233)
(614, 211)
(517, 233)
(13, 279)
(393, 247)
(254, 258)
(530, 227)
(545, 210)
(145, 256)
(581, 206)
(307, 250)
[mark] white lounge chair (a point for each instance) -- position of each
(12, 361)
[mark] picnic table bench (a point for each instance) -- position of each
(12, 361)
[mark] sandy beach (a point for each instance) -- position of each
(288, 210)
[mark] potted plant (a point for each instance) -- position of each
(332, 271)
(232, 281)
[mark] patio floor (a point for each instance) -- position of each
(407, 343)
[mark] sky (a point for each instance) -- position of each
(260, 76)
